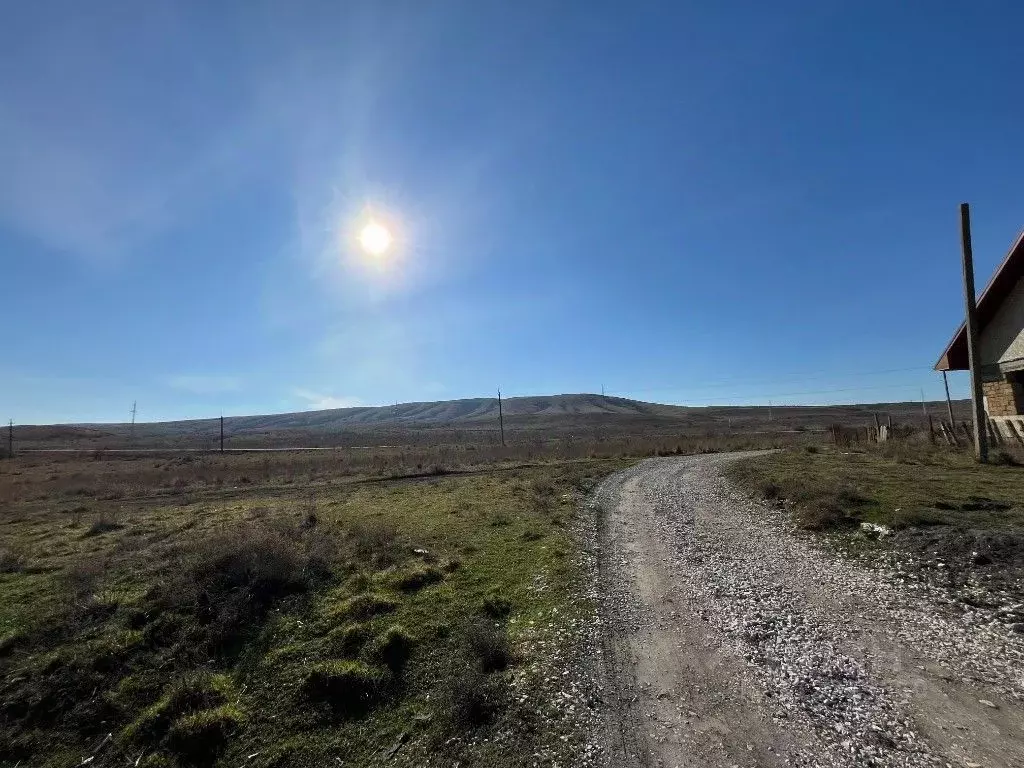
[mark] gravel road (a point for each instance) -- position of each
(729, 640)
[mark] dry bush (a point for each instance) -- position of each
(105, 522)
(230, 580)
(471, 699)
(12, 559)
(420, 577)
(1007, 456)
(375, 544)
(820, 509)
(393, 648)
(473, 693)
(488, 645)
(84, 579)
(349, 687)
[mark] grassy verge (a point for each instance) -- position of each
(898, 486)
(262, 625)
(963, 523)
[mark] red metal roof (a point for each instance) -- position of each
(954, 358)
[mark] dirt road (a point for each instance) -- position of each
(731, 641)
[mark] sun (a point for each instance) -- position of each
(375, 239)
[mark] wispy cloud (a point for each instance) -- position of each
(205, 385)
(317, 401)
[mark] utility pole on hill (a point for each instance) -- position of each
(501, 420)
(131, 430)
(970, 304)
(222, 433)
(10, 439)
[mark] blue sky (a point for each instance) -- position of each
(686, 202)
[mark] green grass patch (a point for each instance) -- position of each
(894, 485)
(215, 623)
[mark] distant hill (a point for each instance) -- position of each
(540, 416)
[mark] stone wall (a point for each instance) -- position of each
(1004, 397)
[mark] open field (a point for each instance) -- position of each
(286, 615)
(409, 605)
(537, 423)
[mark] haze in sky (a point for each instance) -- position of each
(687, 202)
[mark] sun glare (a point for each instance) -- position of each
(375, 239)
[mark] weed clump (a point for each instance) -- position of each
(12, 560)
(471, 699)
(193, 693)
(377, 545)
(104, 523)
(393, 648)
(418, 578)
(349, 687)
(365, 606)
(199, 736)
(488, 646)
(496, 606)
(350, 639)
(229, 581)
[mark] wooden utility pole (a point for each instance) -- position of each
(501, 420)
(222, 433)
(977, 403)
(949, 403)
(10, 439)
(131, 431)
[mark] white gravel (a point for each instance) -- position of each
(862, 666)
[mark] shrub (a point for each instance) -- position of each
(200, 735)
(418, 578)
(230, 580)
(393, 648)
(350, 687)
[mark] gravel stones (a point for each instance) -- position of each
(833, 649)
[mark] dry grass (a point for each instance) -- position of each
(897, 483)
(83, 479)
(205, 622)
